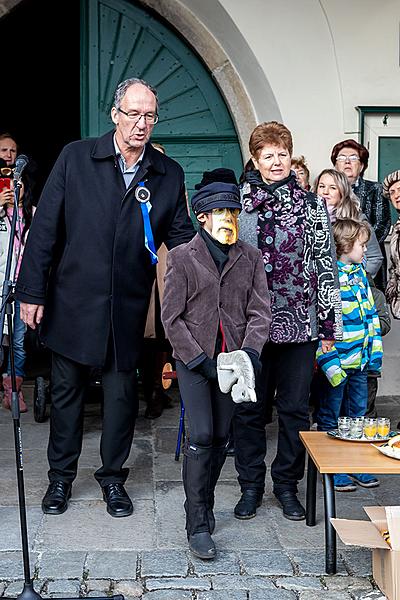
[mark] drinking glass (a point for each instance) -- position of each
(356, 428)
(383, 427)
(370, 428)
(344, 426)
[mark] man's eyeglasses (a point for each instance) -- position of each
(150, 118)
(6, 172)
(351, 158)
(220, 211)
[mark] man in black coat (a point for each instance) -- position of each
(86, 278)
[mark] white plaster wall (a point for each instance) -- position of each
(320, 59)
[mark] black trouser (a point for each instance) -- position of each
(69, 383)
(208, 412)
(372, 393)
(292, 367)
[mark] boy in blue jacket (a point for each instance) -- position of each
(346, 366)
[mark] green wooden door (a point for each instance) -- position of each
(389, 161)
(121, 40)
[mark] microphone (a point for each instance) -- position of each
(20, 165)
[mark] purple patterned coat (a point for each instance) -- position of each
(292, 229)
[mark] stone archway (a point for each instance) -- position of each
(239, 77)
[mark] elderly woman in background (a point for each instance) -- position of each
(351, 158)
(391, 190)
(291, 228)
(299, 166)
(342, 203)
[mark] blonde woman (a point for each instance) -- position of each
(342, 203)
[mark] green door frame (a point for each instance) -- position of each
(363, 111)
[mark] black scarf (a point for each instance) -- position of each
(218, 251)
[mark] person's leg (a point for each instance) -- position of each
(222, 411)
(196, 394)
(249, 421)
(19, 351)
(69, 381)
(357, 401)
(120, 409)
(372, 382)
(330, 404)
(19, 329)
(294, 371)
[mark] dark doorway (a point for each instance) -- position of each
(40, 99)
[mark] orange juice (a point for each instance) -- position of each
(383, 427)
(370, 428)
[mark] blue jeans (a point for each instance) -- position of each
(19, 351)
(349, 399)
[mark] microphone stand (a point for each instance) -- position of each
(28, 592)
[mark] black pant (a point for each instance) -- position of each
(292, 367)
(208, 411)
(69, 382)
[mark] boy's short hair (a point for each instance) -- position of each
(346, 232)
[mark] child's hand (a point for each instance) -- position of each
(327, 345)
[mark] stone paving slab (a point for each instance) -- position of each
(159, 563)
(129, 589)
(271, 595)
(169, 595)
(10, 538)
(111, 565)
(92, 526)
(241, 582)
(226, 563)
(68, 565)
(266, 562)
(299, 583)
(12, 566)
(221, 595)
(182, 583)
(309, 562)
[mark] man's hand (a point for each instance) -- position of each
(31, 314)
(327, 345)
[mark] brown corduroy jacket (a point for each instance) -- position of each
(197, 298)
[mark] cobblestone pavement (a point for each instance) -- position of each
(85, 552)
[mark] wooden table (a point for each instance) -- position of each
(329, 456)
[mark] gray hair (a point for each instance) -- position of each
(124, 85)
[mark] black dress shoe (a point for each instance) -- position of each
(292, 509)
(55, 501)
(247, 506)
(202, 545)
(118, 502)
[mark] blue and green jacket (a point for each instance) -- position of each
(361, 346)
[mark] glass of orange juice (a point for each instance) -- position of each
(370, 428)
(383, 427)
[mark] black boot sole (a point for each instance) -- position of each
(56, 511)
(294, 517)
(120, 513)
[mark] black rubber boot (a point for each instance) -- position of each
(218, 457)
(196, 477)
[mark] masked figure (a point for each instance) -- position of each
(216, 300)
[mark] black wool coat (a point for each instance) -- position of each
(85, 257)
